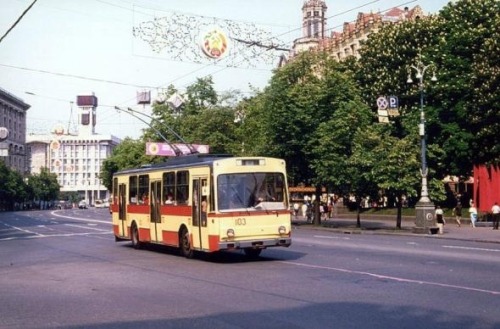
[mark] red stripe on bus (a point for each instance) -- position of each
(213, 242)
(138, 209)
(170, 238)
(116, 230)
(145, 234)
(176, 210)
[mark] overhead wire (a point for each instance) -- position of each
(17, 20)
(222, 68)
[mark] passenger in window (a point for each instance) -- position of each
(133, 199)
(145, 199)
(170, 199)
(204, 207)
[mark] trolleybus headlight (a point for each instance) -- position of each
(230, 233)
(282, 230)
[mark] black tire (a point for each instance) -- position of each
(185, 244)
(252, 253)
(136, 243)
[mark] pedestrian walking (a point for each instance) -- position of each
(495, 210)
(457, 212)
(473, 214)
(296, 209)
(440, 221)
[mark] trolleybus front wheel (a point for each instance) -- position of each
(252, 253)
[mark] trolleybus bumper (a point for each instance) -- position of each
(261, 244)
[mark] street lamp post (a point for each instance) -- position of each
(424, 208)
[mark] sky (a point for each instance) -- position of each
(61, 49)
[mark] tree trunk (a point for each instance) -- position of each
(317, 217)
(358, 208)
(398, 216)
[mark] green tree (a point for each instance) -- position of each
(44, 185)
(331, 150)
(204, 118)
(469, 68)
(462, 107)
(128, 154)
(13, 189)
(301, 96)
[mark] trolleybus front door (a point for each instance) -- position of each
(200, 220)
(122, 210)
(155, 214)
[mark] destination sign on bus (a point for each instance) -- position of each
(153, 148)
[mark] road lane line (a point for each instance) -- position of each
(57, 235)
(23, 230)
(87, 227)
(472, 248)
(392, 278)
(84, 219)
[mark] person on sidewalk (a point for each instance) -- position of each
(473, 214)
(440, 219)
(495, 210)
(457, 212)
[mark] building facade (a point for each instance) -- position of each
(316, 36)
(13, 132)
(76, 159)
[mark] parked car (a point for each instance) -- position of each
(63, 204)
(82, 204)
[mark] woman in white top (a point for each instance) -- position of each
(473, 214)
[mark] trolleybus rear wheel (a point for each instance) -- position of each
(136, 243)
(185, 245)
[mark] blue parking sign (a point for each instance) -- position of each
(393, 102)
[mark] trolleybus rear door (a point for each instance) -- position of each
(200, 221)
(122, 210)
(155, 214)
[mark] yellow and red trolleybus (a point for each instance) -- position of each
(204, 202)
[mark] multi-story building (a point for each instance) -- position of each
(13, 131)
(75, 159)
(347, 42)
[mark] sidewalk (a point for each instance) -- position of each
(346, 224)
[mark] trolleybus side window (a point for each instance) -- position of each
(132, 192)
(169, 187)
(144, 189)
(182, 192)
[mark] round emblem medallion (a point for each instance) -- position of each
(153, 148)
(214, 43)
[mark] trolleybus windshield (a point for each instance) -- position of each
(251, 192)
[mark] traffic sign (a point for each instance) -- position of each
(382, 103)
(393, 102)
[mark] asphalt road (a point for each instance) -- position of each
(63, 269)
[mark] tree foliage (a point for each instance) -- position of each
(128, 154)
(462, 107)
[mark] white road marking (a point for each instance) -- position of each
(393, 278)
(22, 230)
(329, 237)
(472, 248)
(38, 236)
(84, 219)
(87, 228)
